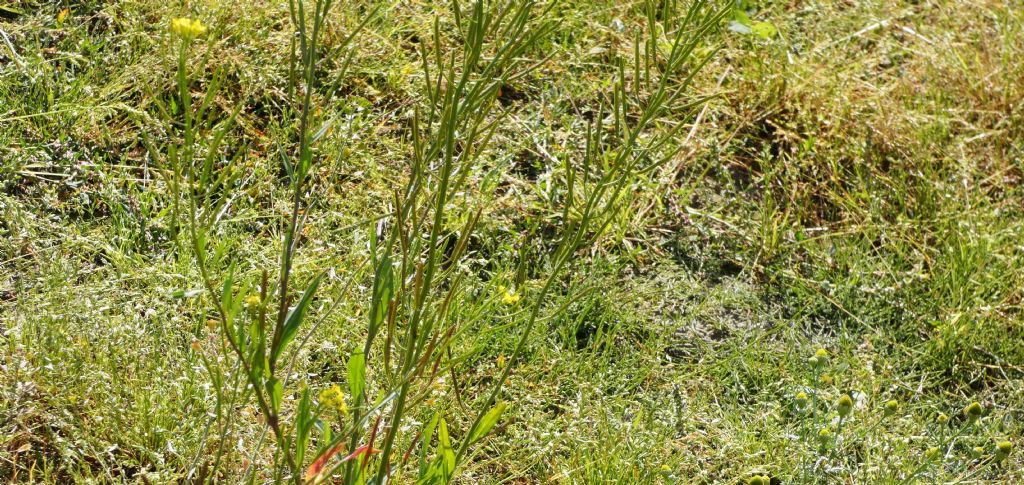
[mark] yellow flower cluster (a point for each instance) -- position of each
(187, 28)
(509, 297)
(334, 398)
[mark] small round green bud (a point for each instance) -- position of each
(821, 358)
(801, 399)
(891, 407)
(932, 453)
(824, 435)
(844, 406)
(973, 411)
(1003, 449)
(813, 362)
(977, 451)
(942, 419)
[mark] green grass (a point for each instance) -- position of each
(852, 183)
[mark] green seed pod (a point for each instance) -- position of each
(891, 407)
(844, 406)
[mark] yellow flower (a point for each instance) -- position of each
(334, 398)
(187, 28)
(509, 297)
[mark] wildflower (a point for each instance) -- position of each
(334, 398)
(973, 411)
(844, 406)
(509, 297)
(501, 361)
(942, 419)
(891, 407)
(801, 399)
(826, 379)
(1003, 449)
(666, 471)
(977, 451)
(61, 16)
(187, 28)
(212, 324)
(932, 453)
(196, 345)
(252, 305)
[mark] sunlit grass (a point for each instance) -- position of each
(640, 310)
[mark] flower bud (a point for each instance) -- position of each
(820, 358)
(932, 453)
(801, 399)
(973, 411)
(891, 407)
(977, 451)
(1003, 449)
(844, 406)
(942, 419)
(824, 435)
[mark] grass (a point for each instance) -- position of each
(850, 183)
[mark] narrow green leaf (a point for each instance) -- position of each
(357, 375)
(487, 422)
(446, 454)
(294, 318)
(276, 391)
(428, 434)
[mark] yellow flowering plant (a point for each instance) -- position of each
(187, 28)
